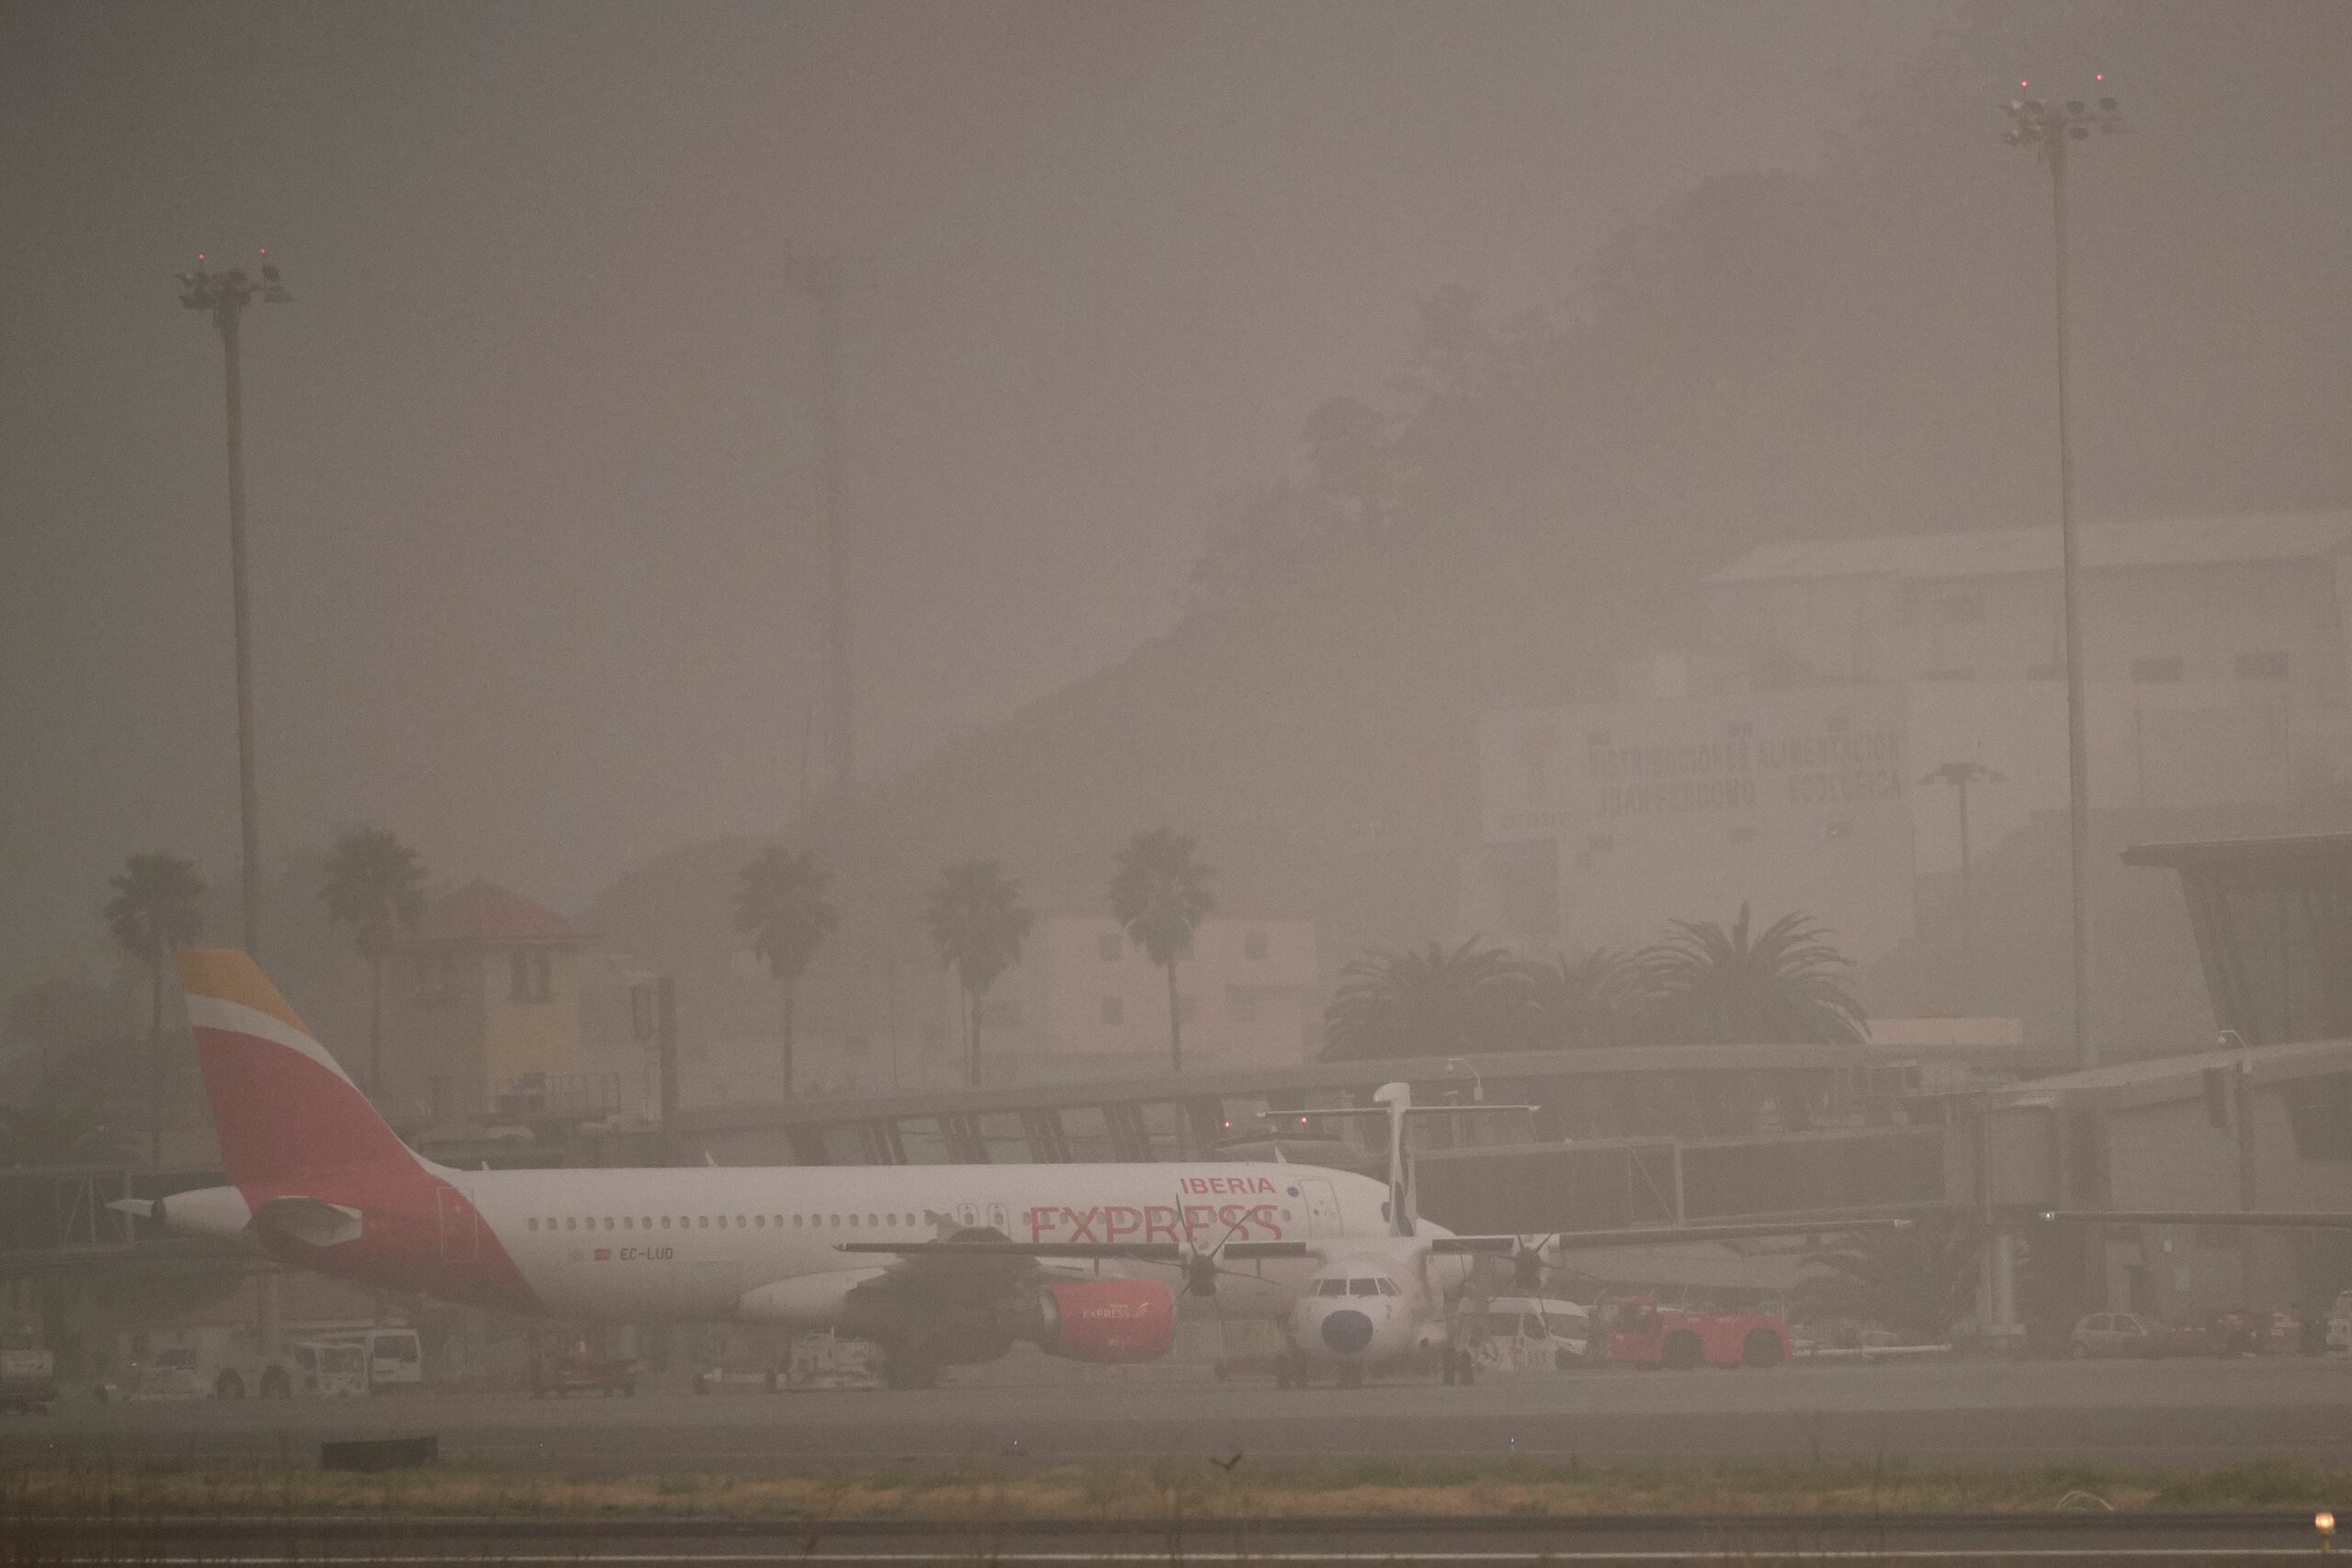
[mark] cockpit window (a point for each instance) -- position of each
(1330, 1287)
(1388, 1286)
(1363, 1287)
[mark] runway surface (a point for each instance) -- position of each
(639, 1544)
(2191, 1413)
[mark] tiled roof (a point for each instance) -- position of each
(483, 912)
(1990, 552)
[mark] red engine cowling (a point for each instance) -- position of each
(1109, 1320)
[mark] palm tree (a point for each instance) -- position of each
(1919, 1280)
(1784, 987)
(1704, 985)
(1436, 1001)
(1160, 893)
(1590, 999)
(375, 885)
(976, 917)
(154, 910)
(780, 905)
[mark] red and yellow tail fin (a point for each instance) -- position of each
(285, 1112)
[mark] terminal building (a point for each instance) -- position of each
(1783, 759)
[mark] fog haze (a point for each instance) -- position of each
(533, 526)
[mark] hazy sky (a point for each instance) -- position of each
(534, 560)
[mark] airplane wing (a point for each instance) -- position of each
(1656, 1235)
(1075, 1251)
(2275, 1219)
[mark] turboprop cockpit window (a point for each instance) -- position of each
(1363, 1287)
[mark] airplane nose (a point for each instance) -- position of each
(1347, 1331)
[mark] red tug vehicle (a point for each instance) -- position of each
(1643, 1334)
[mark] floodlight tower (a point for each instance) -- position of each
(2049, 127)
(224, 296)
(823, 280)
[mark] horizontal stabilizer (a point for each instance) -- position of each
(310, 1221)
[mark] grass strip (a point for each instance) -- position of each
(1191, 1489)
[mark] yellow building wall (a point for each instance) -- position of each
(529, 1037)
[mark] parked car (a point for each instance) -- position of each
(2257, 1332)
(2112, 1333)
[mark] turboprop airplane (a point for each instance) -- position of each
(1385, 1299)
(317, 1179)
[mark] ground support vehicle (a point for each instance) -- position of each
(557, 1375)
(393, 1357)
(1643, 1334)
(826, 1361)
(28, 1380)
(1532, 1333)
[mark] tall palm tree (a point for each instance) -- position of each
(374, 885)
(1918, 1281)
(977, 918)
(1433, 1001)
(1781, 987)
(1702, 985)
(155, 909)
(1590, 999)
(1159, 892)
(780, 905)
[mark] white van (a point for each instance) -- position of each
(1530, 1333)
(395, 1357)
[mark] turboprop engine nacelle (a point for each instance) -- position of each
(1108, 1319)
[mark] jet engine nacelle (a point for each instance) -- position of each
(1108, 1319)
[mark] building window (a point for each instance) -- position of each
(2262, 666)
(1114, 1010)
(530, 973)
(1242, 1002)
(2154, 670)
(1253, 946)
(1106, 947)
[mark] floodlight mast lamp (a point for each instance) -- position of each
(2049, 127)
(223, 296)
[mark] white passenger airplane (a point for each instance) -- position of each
(1385, 1299)
(1078, 1259)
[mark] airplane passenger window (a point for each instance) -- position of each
(796, 1222)
(628, 1224)
(608, 1222)
(533, 1224)
(1363, 1287)
(852, 1222)
(571, 1224)
(706, 1222)
(665, 1222)
(894, 1219)
(761, 1222)
(646, 1223)
(837, 1222)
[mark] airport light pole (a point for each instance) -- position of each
(223, 296)
(2049, 127)
(1960, 775)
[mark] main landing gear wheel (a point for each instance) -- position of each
(1290, 1371)
(275, 1384)
(229, 1385)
